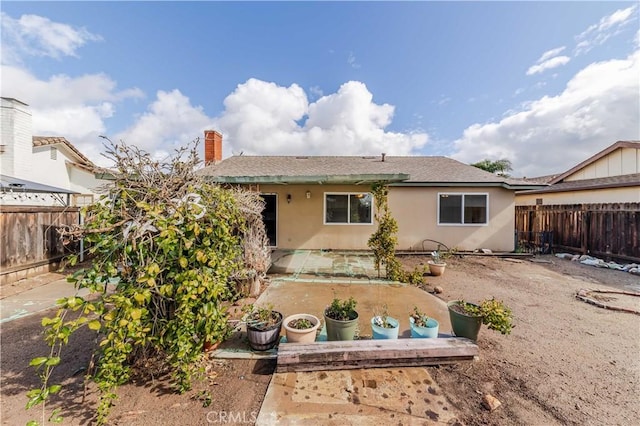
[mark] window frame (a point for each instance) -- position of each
(464, 194)
(348, 194)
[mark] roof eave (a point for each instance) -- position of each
(551, 189)
(356, 179)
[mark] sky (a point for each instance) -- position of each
(542, 84)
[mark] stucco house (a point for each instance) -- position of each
(41, 170)
(323, 202)
(610, 176)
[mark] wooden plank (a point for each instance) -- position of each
(373, 353)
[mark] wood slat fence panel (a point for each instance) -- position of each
(604, 230)
(29, 236)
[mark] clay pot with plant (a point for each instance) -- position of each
(423, 326)
(383, 326)
(467, 318)
(437, 264)
(263, 326)
(301, 328)
(341, 319)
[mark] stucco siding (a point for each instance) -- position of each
(592, 196)
(300, 222)
(416, 210)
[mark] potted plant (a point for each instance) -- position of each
(341, 319)
(467, 318)
(263, 326)
(436, 264)
(384, 326)
(422, 326)
(301, 328)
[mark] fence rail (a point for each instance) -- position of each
(29, 236)
(602, 230)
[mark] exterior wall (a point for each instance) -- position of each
(416, 210)
(594, 196)
(300, 222)
(622, 161)
(48, 171)
(16, 138)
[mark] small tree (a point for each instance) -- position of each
(384, 240)
(165, 247)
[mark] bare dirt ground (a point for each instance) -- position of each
(566, 362)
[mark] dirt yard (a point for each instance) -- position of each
(566, 362)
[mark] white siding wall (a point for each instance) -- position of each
(16, 138)
(623, 161)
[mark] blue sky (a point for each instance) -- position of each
(469, 80)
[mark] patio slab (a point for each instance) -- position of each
(376, 396)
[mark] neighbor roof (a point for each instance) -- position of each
(403, 171)
(620, 181)
(11, 184)
(54, 140)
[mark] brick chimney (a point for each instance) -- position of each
(212, 147)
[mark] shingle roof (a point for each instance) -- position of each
(419, 169)
(588, 184)
(53, 140)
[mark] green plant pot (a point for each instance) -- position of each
(341, 330)
(464, 325)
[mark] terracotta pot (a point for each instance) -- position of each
(436, 269)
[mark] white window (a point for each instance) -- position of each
(348, 208)
(463, 209)
(54, 152)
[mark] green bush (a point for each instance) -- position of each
(165, 247)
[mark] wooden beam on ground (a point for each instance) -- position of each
(354, 354)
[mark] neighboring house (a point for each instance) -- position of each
(315, 202)
(41, 170)
(610, 176)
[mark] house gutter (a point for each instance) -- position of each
(357, 179)
(470, 184)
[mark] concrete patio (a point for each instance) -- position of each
(305, 282)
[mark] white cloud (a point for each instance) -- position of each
(351, 60)
(550, 54)
(33, 35)
(609, 26)
(263, 118)
(73, 107)
(600, 105)
(548, 64)
(316, 91)
(171, 121)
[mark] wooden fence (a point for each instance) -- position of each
(29, 237)
(601, 230)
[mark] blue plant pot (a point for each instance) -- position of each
(430, 331)
(385, 333)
